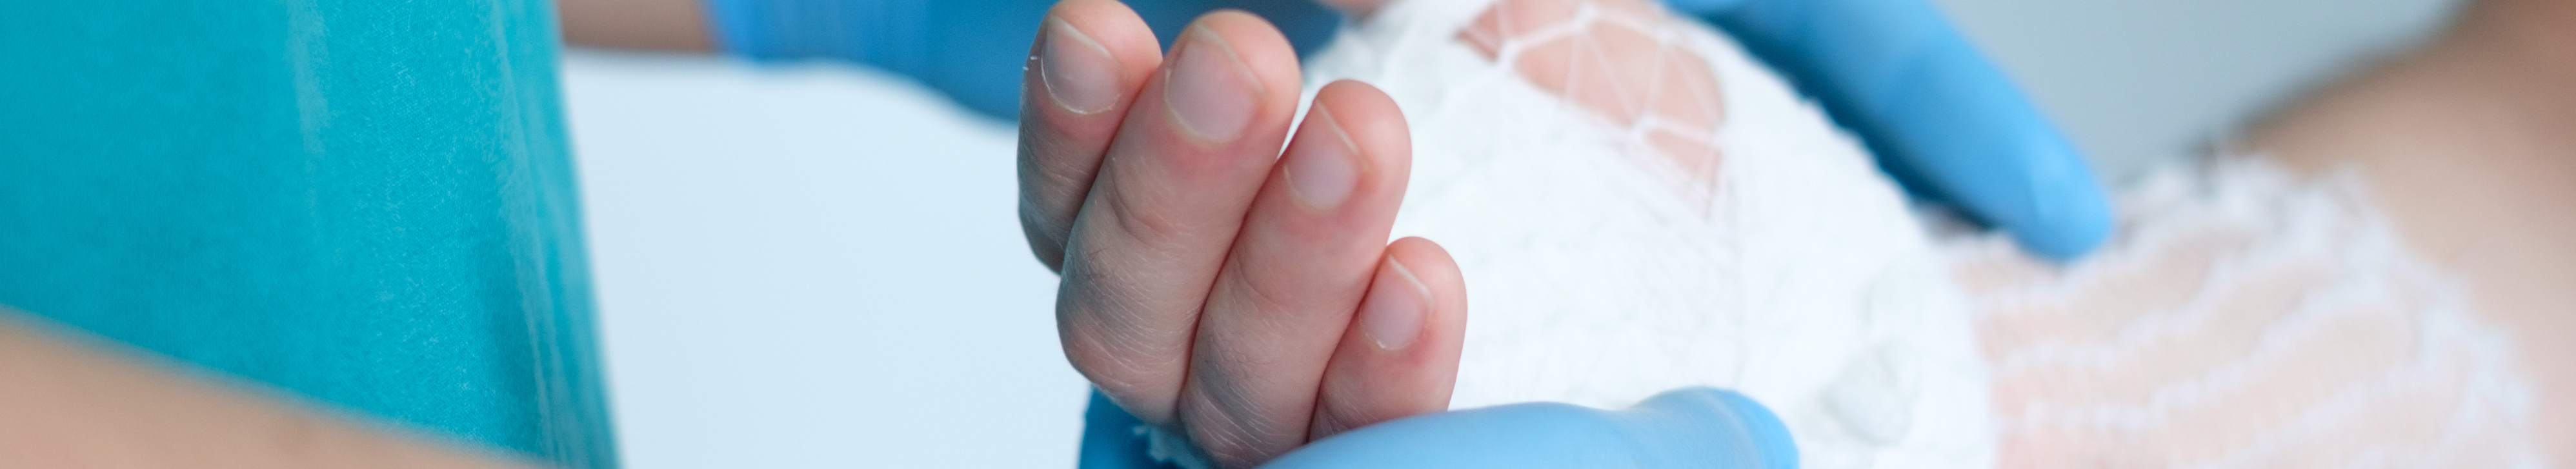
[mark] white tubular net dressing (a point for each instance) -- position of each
(1637, 206)
(2244, 317)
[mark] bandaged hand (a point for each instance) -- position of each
(1213, 285)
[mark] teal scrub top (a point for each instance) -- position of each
(368, 204)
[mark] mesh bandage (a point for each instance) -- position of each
(1631, 225)
(1623, 232)
(2244, 318)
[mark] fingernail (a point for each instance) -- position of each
(1392, 315)
(1323, 167)
(1209, 90)
(1079, 73)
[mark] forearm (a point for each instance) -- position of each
(65, 403)
(2463, 143)
(670, 25)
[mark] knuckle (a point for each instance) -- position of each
(1230, 419)
(1045, 241)
(1238, 437)
(1262, 295)
(1132, 380)
(1133, 352)
(1140, 219)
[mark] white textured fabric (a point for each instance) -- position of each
(2244, 317)
(1597, 274)
(2241, 316)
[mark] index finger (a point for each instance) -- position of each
(1083, 70)
(1170, 197)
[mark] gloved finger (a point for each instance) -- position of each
(1308, 249)
(1941, 118)
(1166, 205)
(1083, 70)
(1690, 427)
(1400, 356)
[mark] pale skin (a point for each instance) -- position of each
(2470, 143)
(1208, 290)
(1217, 287)
(74, 401)
(1213, 284)
(2465, 144)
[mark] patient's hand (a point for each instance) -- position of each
(1246, 300)
(1213, 285)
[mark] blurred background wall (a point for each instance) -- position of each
(2134, 81)
(819, 266)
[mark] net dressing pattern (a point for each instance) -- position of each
(2243, 317)
(1624, 62)
(1625, 220)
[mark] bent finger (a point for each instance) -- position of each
(1084, 70)
(1299, 268)
(1166, 206)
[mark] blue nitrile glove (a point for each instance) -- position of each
(1111, 438)
(971, 51)
(1689, 427)
(1942, 120)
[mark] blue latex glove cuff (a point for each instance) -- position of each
(971, 51)
(1691, 427)
(1941, 118)
(1944, 122)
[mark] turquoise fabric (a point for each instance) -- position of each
(368, 203)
